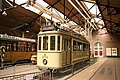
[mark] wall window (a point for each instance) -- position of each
(58, 46)
(52, 42)
(39, 43)
(45, 43)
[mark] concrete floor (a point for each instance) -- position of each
(109, 70)
(104, 69)
(22, 69)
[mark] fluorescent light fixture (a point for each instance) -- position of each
(27, 31)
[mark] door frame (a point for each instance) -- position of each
(98, 49)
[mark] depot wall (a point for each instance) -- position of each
(108, 40)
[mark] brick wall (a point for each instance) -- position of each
(107, 40)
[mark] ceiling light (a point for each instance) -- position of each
(4, 13)
(27, 31)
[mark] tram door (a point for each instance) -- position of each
(98, 50)
(66, 56)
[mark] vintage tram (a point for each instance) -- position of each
(17, 48)
(58, 48)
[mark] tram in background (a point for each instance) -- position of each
(17, 48)
(58, 48)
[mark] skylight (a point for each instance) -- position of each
(49, 17)
(95, 11)
(39, 1)
(44, 4)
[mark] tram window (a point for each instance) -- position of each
(77, 46)
(62, 44)
(52, 42)
(80, 46)
(74, 45)
(8, 47)
(45, 43)
(39, 43)
(33, 47)
(84, 47)
(14, 46)
(65, 44)
(58, 46)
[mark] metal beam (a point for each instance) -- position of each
(70, 1)
(111, 21)
(90, 8)
(73, 15)
(99, 20)
(101, 11)
(110, 13)
(39, 15)
(0, 5)
(55, 3)
(70, 12)
(47, 11)
(112, 25)
(64, 8)
(67, 8)
(107, 5)
(5, 9)
(87, 1)
(13, 2)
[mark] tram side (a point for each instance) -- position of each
(16, 48)
(59, 49)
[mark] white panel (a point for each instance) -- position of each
(108, 51)
(114, 51)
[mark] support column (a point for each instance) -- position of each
(23, 34)
(0, 5)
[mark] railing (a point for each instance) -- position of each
(76, 68)
(42, 75)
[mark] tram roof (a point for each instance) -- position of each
(64, 32)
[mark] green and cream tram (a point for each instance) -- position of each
(60, 48)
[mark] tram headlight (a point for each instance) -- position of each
(45, 61)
